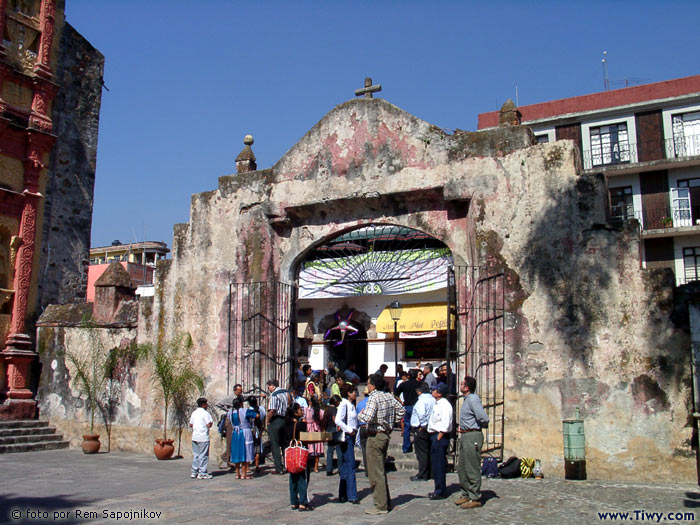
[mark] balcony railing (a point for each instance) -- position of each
(632, 152)
(660, 218)
(680, 281)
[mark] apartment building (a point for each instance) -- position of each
(138, 259)
(646, 141)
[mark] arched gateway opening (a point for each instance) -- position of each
(338, 310)
(345, 286)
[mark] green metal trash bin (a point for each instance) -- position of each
(574, 448)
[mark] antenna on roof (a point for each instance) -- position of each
(606, 82)
(517, 102)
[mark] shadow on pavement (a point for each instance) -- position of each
(23, 509)
(487, 495)
(692, 500)
(404, 498)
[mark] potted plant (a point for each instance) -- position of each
(174, 378)
(90, 381)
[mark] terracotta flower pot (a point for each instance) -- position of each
(164, 448)
(90, 444)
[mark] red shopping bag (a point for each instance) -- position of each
(295, 457)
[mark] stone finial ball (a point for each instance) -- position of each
(248, 140)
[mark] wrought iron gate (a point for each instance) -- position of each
(260, 332)
(476, 342)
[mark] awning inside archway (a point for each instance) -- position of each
(420, 317)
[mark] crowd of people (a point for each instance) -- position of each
(420, 405)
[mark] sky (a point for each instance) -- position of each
(189, 79)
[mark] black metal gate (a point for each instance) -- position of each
(476, 342)
(260, 332)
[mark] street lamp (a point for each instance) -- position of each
(395, 312)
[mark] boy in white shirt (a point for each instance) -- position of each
(200, 423)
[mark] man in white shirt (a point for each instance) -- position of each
(200, 423)
(419, 423)
(439, 428)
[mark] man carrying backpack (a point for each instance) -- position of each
(472, 418)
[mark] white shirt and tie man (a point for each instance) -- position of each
(439, 428)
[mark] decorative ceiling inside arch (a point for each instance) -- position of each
(377, 259)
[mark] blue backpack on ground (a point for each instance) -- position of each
(489, 467)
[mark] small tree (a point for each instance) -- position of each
(90, 378)
(99, 374)
(175, 376)
(118, 365)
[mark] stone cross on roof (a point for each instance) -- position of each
(368, 89)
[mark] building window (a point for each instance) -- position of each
(685, 200)
(542, 139)
(621, 204)
(691, 264)
(686, 134)
(610, 144)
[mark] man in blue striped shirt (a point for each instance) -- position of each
(277, 404)
(419, 423)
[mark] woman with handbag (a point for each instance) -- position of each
(298, 481)
(346, 420)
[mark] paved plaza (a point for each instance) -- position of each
(66, 486)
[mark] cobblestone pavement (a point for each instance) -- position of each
(64, 486)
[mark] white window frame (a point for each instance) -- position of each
(679, 243)
(679, 218)
(550, 132)
(586, 138)
(667, 120)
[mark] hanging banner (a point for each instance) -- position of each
(417, 335)
(375, 273)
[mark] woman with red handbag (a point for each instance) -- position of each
(298, 481)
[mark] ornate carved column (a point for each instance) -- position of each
(47, 21)
(18, 352)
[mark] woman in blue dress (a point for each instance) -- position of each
(238, 449)
(246, 425)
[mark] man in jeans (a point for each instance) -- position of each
(277, 404)
(409, 389)
(200, 423)
(380, 414)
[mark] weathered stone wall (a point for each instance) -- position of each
(65, 240)
(585, 325)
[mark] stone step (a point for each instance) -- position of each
(31, 447)
(15, 440)
(7, 432)
(24, 423)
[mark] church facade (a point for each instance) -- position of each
(499, 252)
